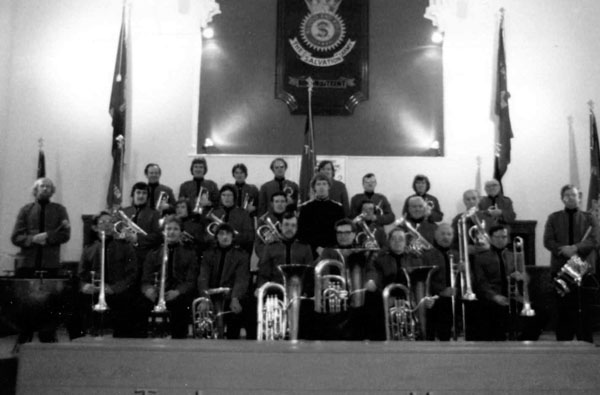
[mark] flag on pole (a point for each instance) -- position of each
(308, 163)
(118, 111)
(594, 190)
(41, 166)
(505, 133)
(573, 165)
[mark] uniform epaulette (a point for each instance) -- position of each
(336, 202)
(304, 203)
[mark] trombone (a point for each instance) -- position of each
(101, 306)
(161, 305)
(513, 289)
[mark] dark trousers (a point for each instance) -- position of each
(439, 320)
(574, 316)
(179, 314)
(493, 321)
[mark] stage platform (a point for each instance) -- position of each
(163, 366)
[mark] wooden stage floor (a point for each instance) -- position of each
(163, 366)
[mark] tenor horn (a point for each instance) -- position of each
(211, 229)
(331, 290)
(269, 233)
(125, 225)
(208, 321)
(366, 238)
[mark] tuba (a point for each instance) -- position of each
(331, 290)
(269, 233)
(417, 243)
(101, 306)
(272, 312)
(365, 238)
(208, 323)
(125, 225)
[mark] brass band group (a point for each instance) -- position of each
(241, 261)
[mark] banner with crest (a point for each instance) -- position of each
(326, 40)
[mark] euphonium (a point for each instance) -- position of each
(268, 233)
(126, 225)
(513, 289)
(331, 290)
(161, 305)
(198, 206)
(366, 238)
(400, 321)
(463, 251)
(101, 306)
(272, 312)
(417, 243)
(208, 322)
(162, 196)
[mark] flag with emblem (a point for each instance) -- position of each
(118, 111)
(505, 133)
(308, 164)
(41, 167)
(594, 190)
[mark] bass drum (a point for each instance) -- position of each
(34, 304)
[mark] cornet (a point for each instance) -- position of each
(269, 233)
(211, 229)
(125, 225)
(289, 191)
(161, 197)
(247, 201)
(198, 208)
(417, 243)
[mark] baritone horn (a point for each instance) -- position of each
(366, 237)
(513, 289)
(331, 290)
(125, 225)
(400, 321)
(207, 314)
(269, 233)
(417, 243)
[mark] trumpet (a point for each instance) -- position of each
(513, 290)
(272, 312)
(366, 238)
(208, 323)
(161, 305)
(331, 290)
(101, 306)
(125, 225)
(198, 208)
(211, 229)
(417, 243)
(161, 197)
(269, 233)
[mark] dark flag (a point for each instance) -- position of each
(594, 163)
(118, 111)
(41, 167)
(309, 161)
(505, 133)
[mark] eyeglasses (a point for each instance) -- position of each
(345, 232)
